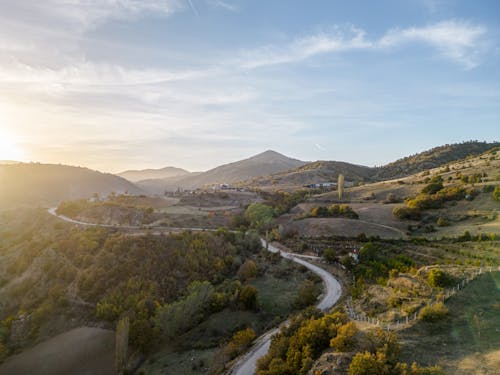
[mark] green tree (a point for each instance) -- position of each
(259, 215)
(248, 297)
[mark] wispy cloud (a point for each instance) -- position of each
(223, 4)
(341, 39)
(456, 40)
(459, 41)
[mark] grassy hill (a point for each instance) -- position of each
(375, 202)
(432, 158)
(33, 184)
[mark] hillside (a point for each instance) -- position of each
(316, 172)
(47, 184)
(266, 163)
(328, 171)
(432, 158)
(147, 174)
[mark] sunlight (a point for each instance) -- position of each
(9, 150)
(9, 147)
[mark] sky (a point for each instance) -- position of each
(125, 84)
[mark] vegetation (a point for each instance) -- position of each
(433, 313)
(335, 210)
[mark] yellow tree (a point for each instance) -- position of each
(340, 186)
(122, 331)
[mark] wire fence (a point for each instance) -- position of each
(404, 321)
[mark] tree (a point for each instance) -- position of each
(122, 330)
(247, 270)
(240, 341)
(340, 185)
(366, 363)
(345, 339)
(248, 297)
(259, 215)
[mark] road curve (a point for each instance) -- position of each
(248, 363)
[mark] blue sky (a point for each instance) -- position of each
(119, 84)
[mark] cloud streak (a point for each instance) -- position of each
(458, 41)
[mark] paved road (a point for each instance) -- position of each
(247, 364)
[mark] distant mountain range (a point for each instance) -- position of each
(148, 174)
(265, 163)
(48, 184)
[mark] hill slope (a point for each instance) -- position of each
(432, 158)
(262, 164)
(147, 174)
(325, 171)
(47, 184)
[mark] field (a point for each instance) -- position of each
(468, 341)
(80, 351)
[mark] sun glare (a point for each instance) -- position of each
(9, 150)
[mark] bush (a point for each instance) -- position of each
(308, 294)
(438, 278)
(496, 193)
(442, 222)
(432, 188)
(240, 341)
(407, 213)
(433, 313)
(346, 337)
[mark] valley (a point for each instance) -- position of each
(190, 273)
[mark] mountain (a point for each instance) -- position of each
(47, 184)
(9, 162)
(265, 163)
(328, 171)
(148, 174)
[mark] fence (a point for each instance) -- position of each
(404, 321)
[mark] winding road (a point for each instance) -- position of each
(247, 364)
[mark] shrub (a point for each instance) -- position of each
(433, 313)
(438, 278)
(407, 213)
(496, 193)
(442, 222)
(346, 337)
(240, 341)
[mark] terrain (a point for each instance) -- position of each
(197, 299)
(328, 171)
(34, 184)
